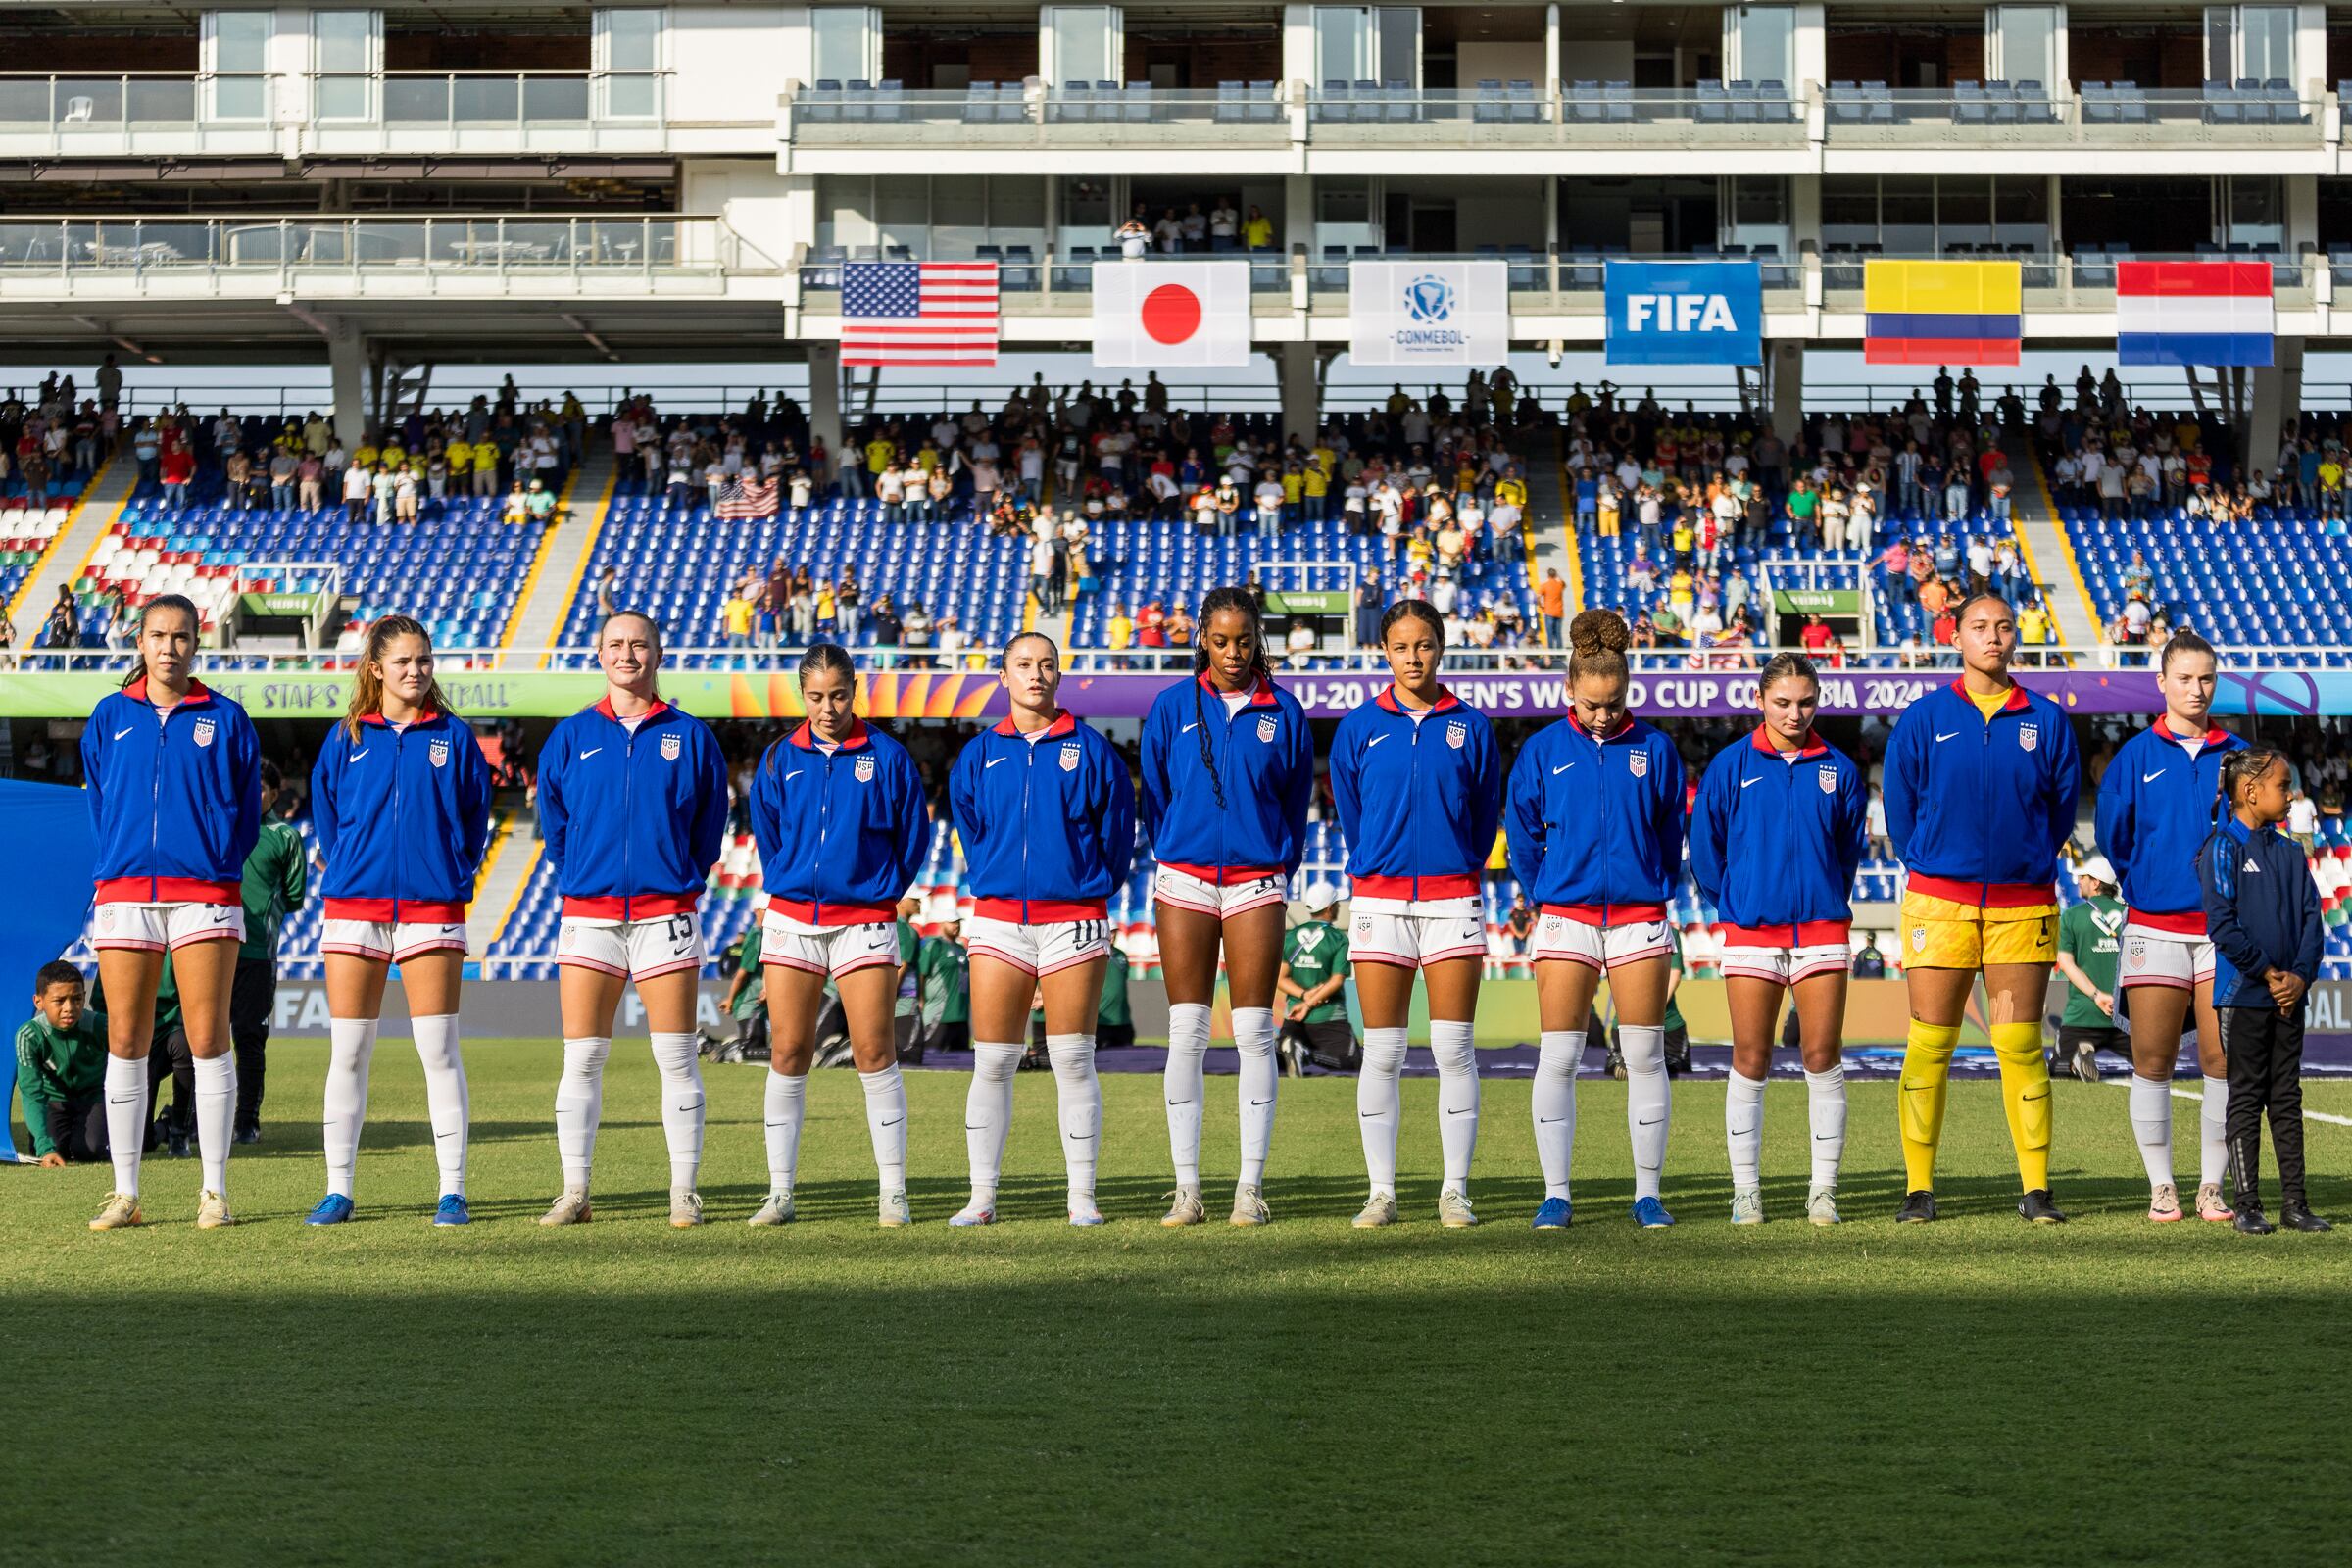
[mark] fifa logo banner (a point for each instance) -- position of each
(1428, 313)
(1686, 313)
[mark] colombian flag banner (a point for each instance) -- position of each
(1942, 312)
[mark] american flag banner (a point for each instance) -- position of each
(739, 497)
(918, 313)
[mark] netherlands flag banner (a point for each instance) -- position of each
(2193, 313)
(1943, 312)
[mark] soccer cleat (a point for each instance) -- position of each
(573, 1209)
(452, 1210)
(175, 1139)
(685, 1210)
(333, 1209)
(2086, 1063)
(1553, 1214)
(212, 1211)
(250, 1133)
(2163, 1205)
(973, 1214)
(1650, 1214)
(1186, 1209)
(1747, 1206)
(1614, 1062)
(1820, 1206)
(122, 1211)
(1919, 1208)
(1379, 1209)
(2249, 1222)
(895, 1214)
(1454, 1209)
(1250, 1207)
(2296, 1215)
(777, 1210)
(1083, 1211)
(2037, 1206)
(2211, 1207)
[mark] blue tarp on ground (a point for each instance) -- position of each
(50, 849)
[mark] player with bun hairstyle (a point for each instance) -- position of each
(173, 771)
(1228, 768)
(1982, 778)
(843, 827)
(2158, 800)
(1595, 821)
(1418, 784)
(1045, 808)
(1776, 838)
(633, 810)
(400, 798)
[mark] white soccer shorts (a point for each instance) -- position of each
(637, 949)
(1412, 936)
(1188, 891)
(832, 950)
(1037, 949)
(163, 928)
(2152, 957)
(1563, 939)
(393, 941)
(1786, 966)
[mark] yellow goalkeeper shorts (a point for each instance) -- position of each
(1939, 934)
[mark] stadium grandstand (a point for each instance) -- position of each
(1370, 303)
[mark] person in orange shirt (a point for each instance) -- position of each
(1551, 594)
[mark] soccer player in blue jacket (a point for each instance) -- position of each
(400, 798)
(1228, 766)
(843, 828)
(1418, 784)
(1776, 838)
(173, 771)
(1045, 808)
(633, 811)
(2158, 801)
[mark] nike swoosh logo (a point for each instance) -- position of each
(1261, 1102)
(1189, 728)
(967, 1127)
(1365, 1115)
(1745, 782)
(1652, 1122)
(795, 773)
(994, 760)
(894, 1121)
(1916, 1088)
(1825, 1138)
(1737, 1132)
(1943, 737)
(2151, 778)
(779, 1124)
(591, 751)
(119, 734)
(356, 756)
(445, 1135)
(1459, 1111)
(690, 1106)
(1562, 769)
(1175, 1102)
(1549, 1121)
(1375, 741)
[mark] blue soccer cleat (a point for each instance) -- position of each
(1553, 1215)
(333, 1209)
(453, 1211)
(1650, 1214)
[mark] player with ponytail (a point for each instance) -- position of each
(1228, 767)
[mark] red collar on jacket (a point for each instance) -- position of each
(1623, 732)
(1813, 746)
(1262, 695)
(2215, 735)
(806, 737)
(198, 692)
(603, 706)
(1445, 700)
(2017, 697)
(1063, 722)
(424, 716)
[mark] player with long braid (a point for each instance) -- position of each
(1228, 767)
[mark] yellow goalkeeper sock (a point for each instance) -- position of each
(2025, 1095)
(1926, 1071)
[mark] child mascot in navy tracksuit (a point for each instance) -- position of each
(2263, 913)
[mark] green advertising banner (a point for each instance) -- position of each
(301, 607)
(268, 693)
(1305, 602)
(1817, 601)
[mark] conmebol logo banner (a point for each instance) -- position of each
(1686, 313)
(1428, 313)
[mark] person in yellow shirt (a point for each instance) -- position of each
(879, 455)
(1258, 230)
(1121, 632)
(737, 612)
(1315, 485)
(460, 456)
(1294, 488)
(2033, 630)
(367, 456)
(1509, 492)
(485, 469)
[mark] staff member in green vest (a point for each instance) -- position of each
(943, 970)
(276, 880)
(1114, 1020)
(61, 1072)
(2089, 943)
(746, 996)
(1314, 986)
(168, 1057)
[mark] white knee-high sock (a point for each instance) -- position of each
(1825, 1103)
(987, 1114)
(1457, 1097)
(1744, 1129)
(1183, 1086)
(1254, 1038)
(1080, 1093)
(1558, 1054)
(216, 1113)
(580, 1106)
(351, 1050)
(2151, 1109)
(1378, 1105)
(2213, 1133)
(681, 1106)
(126, 1119)
(1648, 1102)
(886, 1124)
(446, 1099)
(787, 1107)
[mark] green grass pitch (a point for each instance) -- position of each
(1979, 1392)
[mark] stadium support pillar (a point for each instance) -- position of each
(347, 374)
(2276, 401)
(824, 394)
(1302, 396)
(1787, 389)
